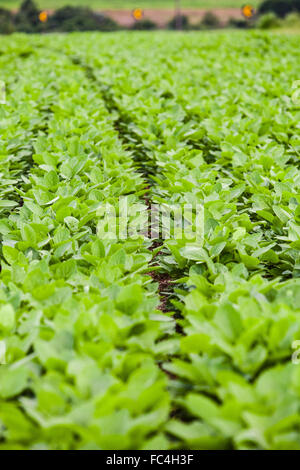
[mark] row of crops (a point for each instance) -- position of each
(135, 344)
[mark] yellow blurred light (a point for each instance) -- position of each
(43, 16)
(138, 14)
(248, 11)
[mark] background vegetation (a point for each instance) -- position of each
(99, 4)
(271, 14)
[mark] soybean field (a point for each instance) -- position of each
(140, 342)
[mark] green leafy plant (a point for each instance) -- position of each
(292, 20)
(268, 21)
(128, 343)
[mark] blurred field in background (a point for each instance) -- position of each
(129, 4)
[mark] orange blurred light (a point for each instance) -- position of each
(43, 16)
(138, 14)
(248, 11)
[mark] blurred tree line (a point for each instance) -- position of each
(30, 19)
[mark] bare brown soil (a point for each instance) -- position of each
(162, 16)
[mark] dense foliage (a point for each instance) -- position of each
(144, 25)
(65, 19)
(27, 17)
(92, 361)
(78, 19)
(280, 7)
(6, 22)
